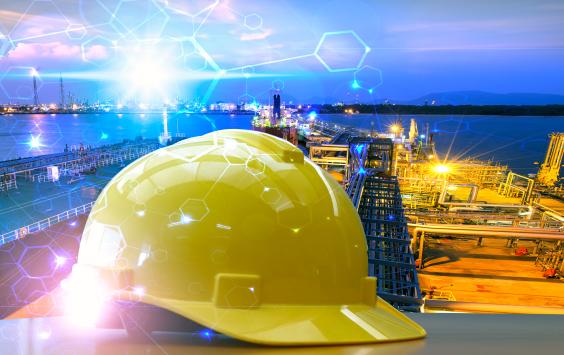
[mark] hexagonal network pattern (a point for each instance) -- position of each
(140, 18)
(5, 45)
(76, 31)
(193, 210)
(278, 85)
(33, 17)
(241, 297)
(105, 244)
(43, 258)
(35, 265)
(341, 51)
(368, 77)
(253, 22)
(255, 166)
(19, 77)
(195, 62)
(247, 71)
(451, 126)
(271, 195)
(135, 21)
(97, 12)
(190, 8)
(246, 99)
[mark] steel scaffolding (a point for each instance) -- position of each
(377, 197)
(390, 257)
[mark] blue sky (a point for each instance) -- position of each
(315, 50)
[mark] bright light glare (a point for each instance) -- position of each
(148, 72)
(33, 72)
(60, 261)
(441, 169)
(186, 219)
(148, 75)
(85, 297)
(44, 334)
(395, 128)
(35, 142)
(139, 291)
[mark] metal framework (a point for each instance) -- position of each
(518, 186)
(377, 197)
(390, 257)
(550, 169)
(333, 158)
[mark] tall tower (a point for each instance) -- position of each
(550, 169)
(62, 87)
(276, 110)
(34, 74)
(413, 132)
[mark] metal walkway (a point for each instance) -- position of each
(390, 257)
(377, 197)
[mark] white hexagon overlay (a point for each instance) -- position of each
(325, 50)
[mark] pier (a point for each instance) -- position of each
(431, 235)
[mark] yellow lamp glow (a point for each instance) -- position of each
(441, 169)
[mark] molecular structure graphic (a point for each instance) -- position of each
(104, 31)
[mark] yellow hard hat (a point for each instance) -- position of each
(237, 231)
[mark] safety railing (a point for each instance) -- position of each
(78, 168)
(45, 223)
(8, 185)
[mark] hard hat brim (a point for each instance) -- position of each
(299, 325)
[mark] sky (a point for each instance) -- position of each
(313, 51)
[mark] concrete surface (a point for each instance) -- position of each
(447, 334)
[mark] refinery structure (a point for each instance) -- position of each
(442, 235)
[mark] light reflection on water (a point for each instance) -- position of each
(512, 140)
(54, 132)
(517, 141)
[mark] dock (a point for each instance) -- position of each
(395, 186)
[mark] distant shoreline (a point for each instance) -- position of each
(381, 109)
(463, 110)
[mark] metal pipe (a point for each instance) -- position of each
(482, 227)
(488, 231)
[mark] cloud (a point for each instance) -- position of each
(51, 50)
(97, 52)
(256, 36)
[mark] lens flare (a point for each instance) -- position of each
(85, 296)
(35, 142)
(441, 169)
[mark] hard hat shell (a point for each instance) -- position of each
(238, 232)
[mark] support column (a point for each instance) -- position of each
(421, 243)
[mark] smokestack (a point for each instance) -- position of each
(62, 87)
(276, 112)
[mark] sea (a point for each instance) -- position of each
(519, 142)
